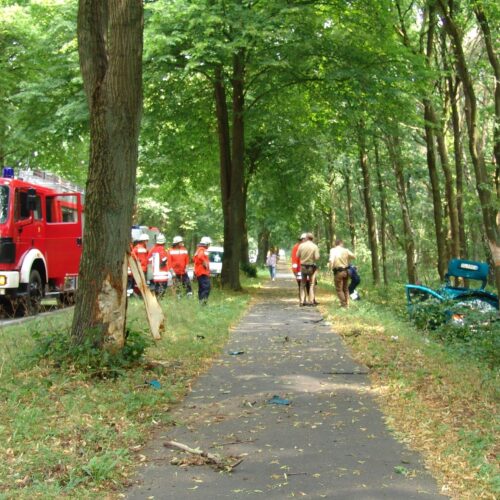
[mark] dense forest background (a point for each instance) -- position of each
(375, 121)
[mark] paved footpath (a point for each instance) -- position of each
(329, 442)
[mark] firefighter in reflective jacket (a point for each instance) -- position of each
(178, 259)
(158, 257)
(202, 269)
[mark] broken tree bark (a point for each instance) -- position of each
(154, 311)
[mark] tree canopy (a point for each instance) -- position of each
(374, 121)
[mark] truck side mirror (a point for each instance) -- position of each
(31, 199)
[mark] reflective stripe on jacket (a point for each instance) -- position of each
(179, 259)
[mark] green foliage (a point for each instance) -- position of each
(475, 337)
(44, 117)
(430, 314)
(88, 357)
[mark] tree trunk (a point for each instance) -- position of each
(431, 156)
(495, 64)
(329, 228)
(435, 191)
(383, 215)
(459, 167)
(451, 200)
(263, 246)
(372, 226)
(110, 49)
(232, 168)
(225, 168)
(350, 214)
(245, 257)
(409, 239)
(252, 155)
(237, 201)
(483, 184)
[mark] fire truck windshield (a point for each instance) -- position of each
(4, 203)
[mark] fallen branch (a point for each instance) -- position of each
(209, 458)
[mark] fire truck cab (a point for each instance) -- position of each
(41, 218)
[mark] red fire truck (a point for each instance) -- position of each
(41, 218)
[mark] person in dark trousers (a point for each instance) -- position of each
(178, 259)
(202, 269)
(158, 258)
(355, 281)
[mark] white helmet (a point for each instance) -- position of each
(160, 239)
(143, 237)
(135, 233)
(303, 236)
(206, 240)
(177, 239)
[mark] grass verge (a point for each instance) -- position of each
(66, 433)
(437, 400)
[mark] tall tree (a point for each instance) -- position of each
(110, 34)
(238, 47)
(486, 189)
(453, 92)
(367, 198)
(393, 147)
(383, 213)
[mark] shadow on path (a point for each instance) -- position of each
(329, 442)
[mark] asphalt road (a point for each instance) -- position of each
(329, 441)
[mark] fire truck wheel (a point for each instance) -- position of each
(30, 303)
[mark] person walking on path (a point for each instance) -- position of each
(271, 261)
(308, 254)
(202, 269)
(178, 258)
(339, 263)
(296, 261)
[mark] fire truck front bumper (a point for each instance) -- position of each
(8, 280)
